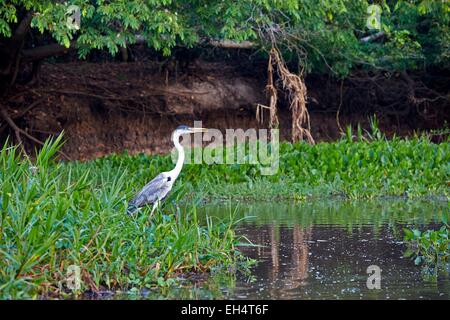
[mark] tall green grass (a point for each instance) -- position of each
(54, 215)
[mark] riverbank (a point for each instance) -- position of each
(61, 214)
(108, 107)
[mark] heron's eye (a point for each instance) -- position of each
(169, 178)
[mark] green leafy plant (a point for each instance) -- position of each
(55, 214)
(408, 168)
(328, 32)
(430, 248)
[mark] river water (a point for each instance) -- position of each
(322, 249)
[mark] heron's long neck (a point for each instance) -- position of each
(176, 171)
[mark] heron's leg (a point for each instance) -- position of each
(156, 204)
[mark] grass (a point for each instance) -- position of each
(56, 215)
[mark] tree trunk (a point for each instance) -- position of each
(10, 51)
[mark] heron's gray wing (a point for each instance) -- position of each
(152, 191)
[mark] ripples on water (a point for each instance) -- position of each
(322, 250)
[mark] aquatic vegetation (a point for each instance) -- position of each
(430, 248)
(60, 214)
(354, 214)
(352, 169)
(55, 218)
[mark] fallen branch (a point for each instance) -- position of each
(18, 131)
(28, 109)
(21, 114)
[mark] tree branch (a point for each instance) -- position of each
(23, 27)
(55, 49)
(42, 52)
(18, 131)
(373, 37)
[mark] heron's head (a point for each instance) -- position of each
(185, 129)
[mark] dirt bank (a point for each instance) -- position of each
(109, 107)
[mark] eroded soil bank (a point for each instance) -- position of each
(114, 106)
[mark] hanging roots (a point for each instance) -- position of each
(294, 85)
(273, 96)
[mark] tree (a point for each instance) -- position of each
(33, 30)
(324, 36)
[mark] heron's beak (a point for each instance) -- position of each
(194, 130)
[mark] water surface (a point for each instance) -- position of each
(321, 250)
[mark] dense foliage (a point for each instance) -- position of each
(53, 217)
(430, 248)
(325, 35)
(348, 168)
(56, 214)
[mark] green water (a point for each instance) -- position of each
(322, 250)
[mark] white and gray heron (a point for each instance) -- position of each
(157, 190)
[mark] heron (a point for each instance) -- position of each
(155, 192)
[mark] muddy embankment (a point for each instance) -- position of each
(109, 107)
